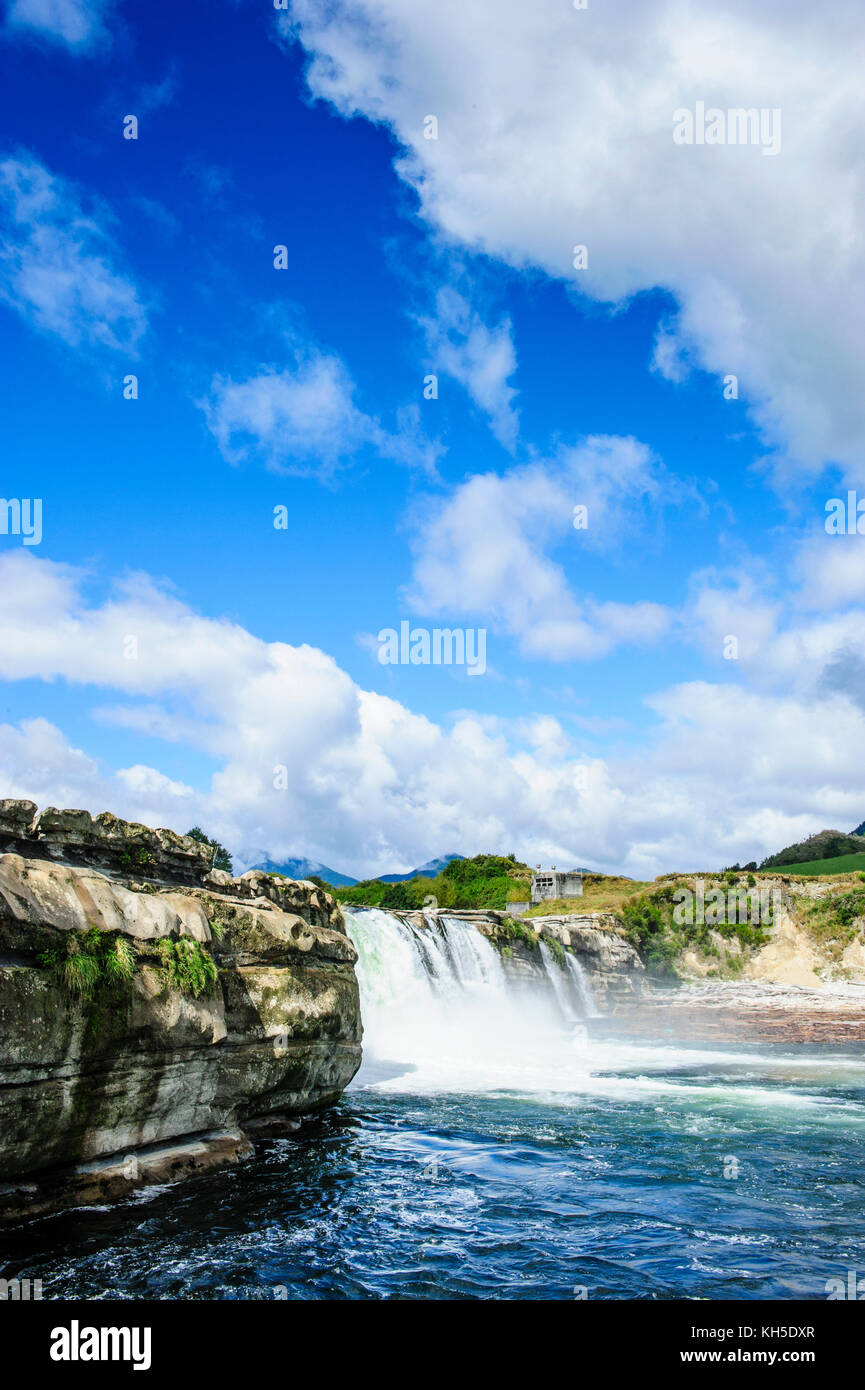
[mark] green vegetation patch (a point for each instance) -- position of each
(512, 929)
(556, 950)
(136, 858)
(651, 927)
(486, 881)
(186, 965)
(89, 960)
(94, 967)
(842, 864)
(833, 920)
(828, 844)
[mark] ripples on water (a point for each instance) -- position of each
(500, 1195)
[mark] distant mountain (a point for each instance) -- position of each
(429, 870)
(828, 844)
(860, 829)
(302, 868)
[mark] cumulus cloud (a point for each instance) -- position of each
(801, 647)
(483, 551)
(830, 571)
(304, 420)
(37, 763)
(370, 785)
(58, 262)
(555, 129)
(79, 24)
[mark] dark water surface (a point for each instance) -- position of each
(616, 1186)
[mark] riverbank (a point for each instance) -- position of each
(155, 1012)
(742, 1012)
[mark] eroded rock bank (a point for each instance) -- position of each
(155, 1013)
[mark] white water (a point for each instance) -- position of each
(435, 1000)
(569, 985)
(439, 1017)
(581, 985)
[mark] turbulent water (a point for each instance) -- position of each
(488, 1148)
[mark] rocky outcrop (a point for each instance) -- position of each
(103, 842)
(154, 1012)
(612, 965)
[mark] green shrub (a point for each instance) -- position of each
(186, 965)
(556, 950)
(87, 960)
(136, 858)
(643, 920)
(95, 967)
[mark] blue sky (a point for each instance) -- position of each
(604, 727)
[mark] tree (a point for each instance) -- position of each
(221, 858)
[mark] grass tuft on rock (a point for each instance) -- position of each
(88, 960)
(186, 965)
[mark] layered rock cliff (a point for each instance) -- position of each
(613, 967)
(155, 1013)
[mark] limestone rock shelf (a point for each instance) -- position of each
(235, 1004)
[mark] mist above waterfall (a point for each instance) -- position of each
(436, 1000)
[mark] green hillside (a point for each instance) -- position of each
(486, 880)
(843, 864)
(828, 844)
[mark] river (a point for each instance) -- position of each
(490, 1148)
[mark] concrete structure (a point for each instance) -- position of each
(517, 909)
(556, 883)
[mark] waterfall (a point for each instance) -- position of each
(582, 988)
(569, 984)
(476, 962)
(560, 981)
(435, 1003)
(401, 965)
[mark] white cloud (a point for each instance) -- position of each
(80, 24)
(801, 651)
(555, 129)
(303, 420)
(733, 606)
(669, 357)
(724, 775)
(57, 262)
(37, 763)
(831, 571)
(482, 552)
(481, 359)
